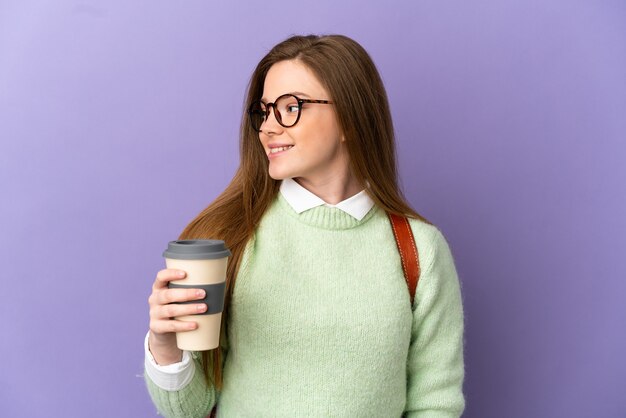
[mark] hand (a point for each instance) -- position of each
(162, 339)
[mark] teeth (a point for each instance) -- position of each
(279, 149)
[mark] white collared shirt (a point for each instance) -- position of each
(300, 199)
(175, 376)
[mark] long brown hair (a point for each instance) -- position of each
(350, 77)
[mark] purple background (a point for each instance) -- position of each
(119, 123)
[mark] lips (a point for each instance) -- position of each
(278, 149)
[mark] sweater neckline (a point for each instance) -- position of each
(325, 217)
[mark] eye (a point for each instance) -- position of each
(292, 108)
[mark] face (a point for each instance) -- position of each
(313, 149)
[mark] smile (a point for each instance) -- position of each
(280, 149)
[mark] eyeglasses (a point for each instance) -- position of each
(287, 109)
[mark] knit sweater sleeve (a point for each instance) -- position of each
(435, 360)
(194, 400)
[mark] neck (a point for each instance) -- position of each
(333, 188)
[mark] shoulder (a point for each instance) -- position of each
(432, 245)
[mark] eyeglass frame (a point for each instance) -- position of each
(277, 114)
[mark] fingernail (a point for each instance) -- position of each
(201, 307)
(200, 293)
(181, 273)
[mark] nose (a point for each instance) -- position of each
(270, 124)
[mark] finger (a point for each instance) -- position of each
(166, 275)
(166, 296)
(176, 310)
(172, 325)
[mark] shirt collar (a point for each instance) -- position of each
(300, 199)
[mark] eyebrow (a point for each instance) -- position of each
(295, 93)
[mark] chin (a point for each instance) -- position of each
(277, 177)
(280, 174)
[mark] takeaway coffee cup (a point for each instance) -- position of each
(205, 262)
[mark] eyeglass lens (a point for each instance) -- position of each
(286, 110)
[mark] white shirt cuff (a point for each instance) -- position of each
(171, 377)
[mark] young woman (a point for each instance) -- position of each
(317, 319)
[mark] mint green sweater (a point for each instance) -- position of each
(321, 325)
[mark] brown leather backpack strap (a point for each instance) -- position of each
(408, 251)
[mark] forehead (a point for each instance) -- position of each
(291, 77)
